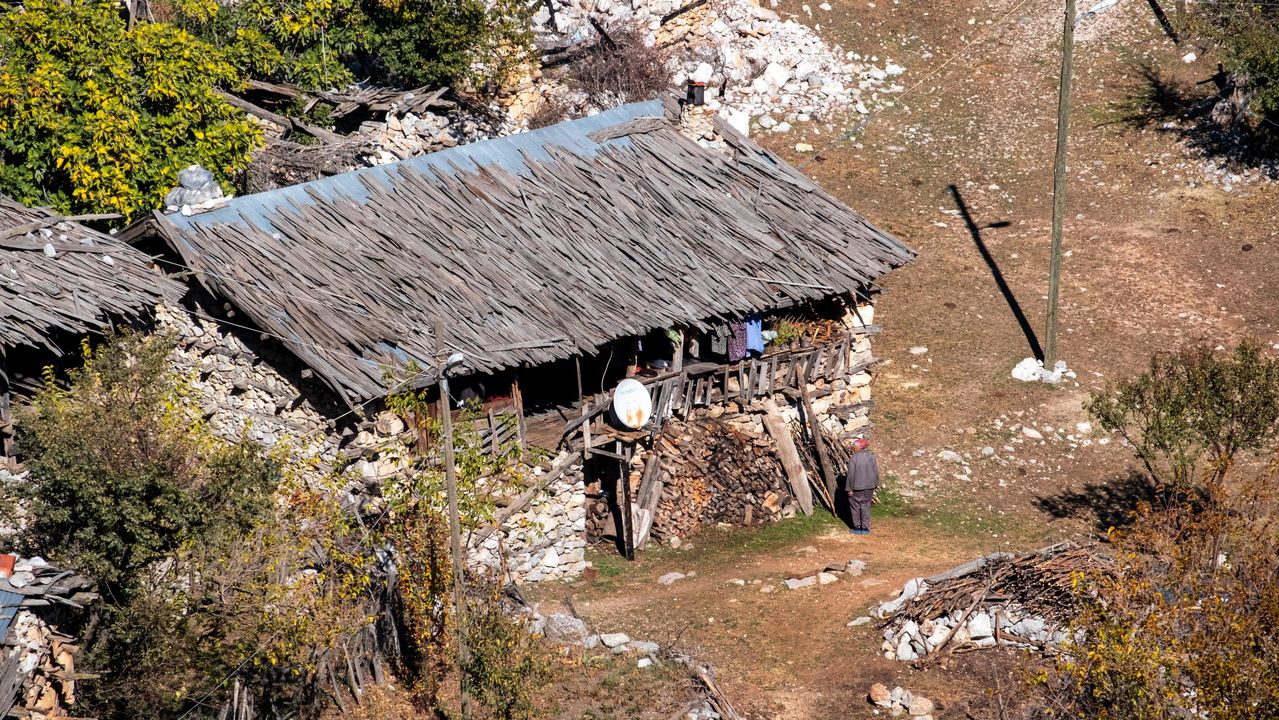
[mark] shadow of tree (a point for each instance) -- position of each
(1110, 504)
(1186, 110)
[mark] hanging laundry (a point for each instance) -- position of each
(754, 335)
(737, 341)
(719, 339)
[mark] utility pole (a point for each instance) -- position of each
(455, 523)
(1059, 182)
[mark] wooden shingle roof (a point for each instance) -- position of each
(59, 277)
(528, 248)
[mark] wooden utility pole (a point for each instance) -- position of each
(455, 523)
(1059, 182)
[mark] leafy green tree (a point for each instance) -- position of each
(98, 117)
(327, 44)
(1192, 412)
(123, 472)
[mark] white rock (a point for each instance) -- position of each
(797, 583)
(950, 456)
(856, 622)
(918, 350)
(612, 640)
(1032, 433)
(825, 578)
(702, 74)
(644, 662)
(1189, 58)
(766, 121)
(979, 626)
(803, 147)
(670, 578)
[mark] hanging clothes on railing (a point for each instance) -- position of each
(754, 335)
(737, 340)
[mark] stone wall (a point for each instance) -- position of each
(546, 538)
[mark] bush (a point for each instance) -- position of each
(1192, 412)
(97, 117)
(1247, 35)
(621, 68)
(1189, 624)
(123, 475)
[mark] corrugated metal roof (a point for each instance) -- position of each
(9, 603)
(510, 153)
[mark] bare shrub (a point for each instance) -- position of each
(622, 67)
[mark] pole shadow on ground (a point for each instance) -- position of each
(996, 273)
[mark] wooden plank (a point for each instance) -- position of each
(819, 442)
(796, 476)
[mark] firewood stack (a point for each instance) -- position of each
(715, 473)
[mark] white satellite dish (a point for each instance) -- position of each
(632, 405)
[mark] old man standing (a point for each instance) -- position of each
(863, 478)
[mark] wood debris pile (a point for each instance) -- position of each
(716, 473)
(37, 662)
(1001, 599)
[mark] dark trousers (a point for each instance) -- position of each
(860, 505)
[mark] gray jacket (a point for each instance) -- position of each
(863, 472)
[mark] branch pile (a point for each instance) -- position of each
(1021, 601)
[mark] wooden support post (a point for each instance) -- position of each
(1059, 183)
(455, 525)
(819, 441)
(577, 363)
(517, 399)
(624, 504)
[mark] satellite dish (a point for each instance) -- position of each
(632, 405)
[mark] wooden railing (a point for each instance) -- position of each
(678, 392)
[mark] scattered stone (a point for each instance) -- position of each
(855, 567)
(803, 147)
(825, 578)
(1032, 433)
(737, 581)
(644, 662)
(879, 695)
(951, 456)
(644, 646)
(612, 640)
(562, 628)
(918, 350)
(670, 578)
(857, 622)
(920, 705)
(797, 583)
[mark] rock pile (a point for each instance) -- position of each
(833, 572)
(569, 630)
(900, 701)
(405, 134)
(773, 69)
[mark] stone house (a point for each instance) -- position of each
(650, 242)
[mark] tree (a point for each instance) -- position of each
(1192, 412)
(124, 474)
(97, 117)
(327, 44)
(1247, 35)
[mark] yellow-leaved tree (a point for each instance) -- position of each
(96, 116)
